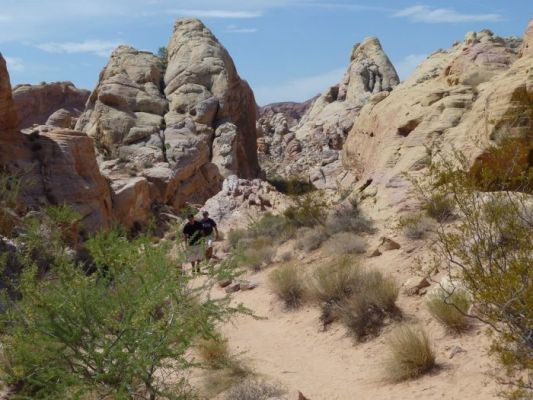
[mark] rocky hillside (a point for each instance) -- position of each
(311, 148)
(164, 132)
(476, 94)
(56, 167)
(57, 104)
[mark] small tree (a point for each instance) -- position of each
(162, 53)
(113, 333)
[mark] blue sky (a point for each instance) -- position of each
(286, 49)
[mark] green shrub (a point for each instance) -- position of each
(257, 254)
(307, 210)
(235, 236)
(274, 227)
(411, 354)
(10, 189)
(488, 252)
(108, 333)
(287, 283)
(450, 309)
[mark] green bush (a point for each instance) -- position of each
(488, 252)
(335, 281)
(292, 186)
(307, 210)
(288, 284)
(10, 189)
(348, 218)
(108, 333)
(450, 309)
(414, 226)
(214, 352)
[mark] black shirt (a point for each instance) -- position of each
(207, 226)
(193, 232)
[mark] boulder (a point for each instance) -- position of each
(62, 118)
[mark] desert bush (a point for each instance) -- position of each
(105, 334)
(308, 210)
(235, 236)
(256, 254)
(343, 243)
(253, 389)
(450, 309)
(274, 227)
(439, 207)
(415, 226)
(373, 300)
(309, 239)
(411, 354)
(287, 283)
(488, 251)
(335, 281)
(292, 186)
(348, 218)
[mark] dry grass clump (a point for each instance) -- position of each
(362, 299)
(348, 218)
(226, 370)
(411, 354)
(450, 309)
(253, 389)
(345, 243)
(255, 256)
(309, 239)
(335, 281)
(287, 283)
(214, 352)
(439, 207)
(415, 226)
(373, 300)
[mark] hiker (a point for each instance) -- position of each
(192, 234)
(208, 226)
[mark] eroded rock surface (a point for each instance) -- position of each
(312, 148)
(466, 97)
(182, 124)
(36, 103)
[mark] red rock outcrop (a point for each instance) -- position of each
(36, 103)
(56, 166)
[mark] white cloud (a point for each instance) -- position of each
(102, 48)
(237, 29)
(217, 13)
(14, 64)
(408, 64)
(423, 13)
(299, 89)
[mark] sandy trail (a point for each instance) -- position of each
(291, 348)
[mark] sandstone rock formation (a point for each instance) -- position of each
(56, 166)
(8, 111)
(241, 200)
(36, 103)
(176, 126)
(312, 148)
(467, 97)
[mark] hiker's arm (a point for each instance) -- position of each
(217, 236)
